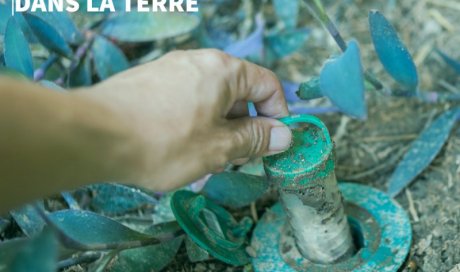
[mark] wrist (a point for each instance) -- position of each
(113, 151)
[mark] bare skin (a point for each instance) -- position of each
(160, 125)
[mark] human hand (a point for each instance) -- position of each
(187, 115)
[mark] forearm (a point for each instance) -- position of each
(52, 141)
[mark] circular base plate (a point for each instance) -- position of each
(381, 250)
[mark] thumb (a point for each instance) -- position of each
(259, 136)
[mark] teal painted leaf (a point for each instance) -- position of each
(48, 35)
(108, 58)
(310, 90)
(253, 167)
(82, 75)
(28, 219)
(95, 231)
(450, 61)
(149, 26)
(28, 33)
(392, 53)
(422, 151)
(235, 189)
(287, 42)
(163, 212)
(287, 11)
(16, 50)
(150, 258)
(5, 14)
(342, 81)
(112, 198)
(38, 254)
(194, 252)
(63, 24)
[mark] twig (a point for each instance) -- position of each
(388, 138)
(88, 257)
(79, 55)
(39, 74)
(342, 129)
(378, 167)
(441, 20)
(445, 4)
(412, 209)
(254, 215)
(318, 11)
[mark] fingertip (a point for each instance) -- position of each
(280, 139)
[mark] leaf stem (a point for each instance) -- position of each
(87, 257)
(80, 53)
(70, 242)
(39, 74)
(319, 12)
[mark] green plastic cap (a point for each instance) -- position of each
(310, 156)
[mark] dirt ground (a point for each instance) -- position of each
(368, 151)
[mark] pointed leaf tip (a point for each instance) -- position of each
(422, 151)
(16, 49)
(342, 81)
(48, 35)
(392, 53)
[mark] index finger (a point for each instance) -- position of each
(250, 82)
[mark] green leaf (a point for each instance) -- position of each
(63, 24)
(194, 252)
(235, 189)
(28, 219)
(5, 14)
(16, 50)
(82, 75)
(310, 90)
(149, 26)
(287, 11)
(150, 258)
(108, 58)
(38, 254)
(95, 231)
(113, 198)
(392, 53)
(342, 81)
(48, 35)
(422, 151)
(163, 212)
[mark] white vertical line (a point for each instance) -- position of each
(12, 7)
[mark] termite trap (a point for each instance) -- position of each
(319, 225)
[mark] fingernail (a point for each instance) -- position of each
(280, 139)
